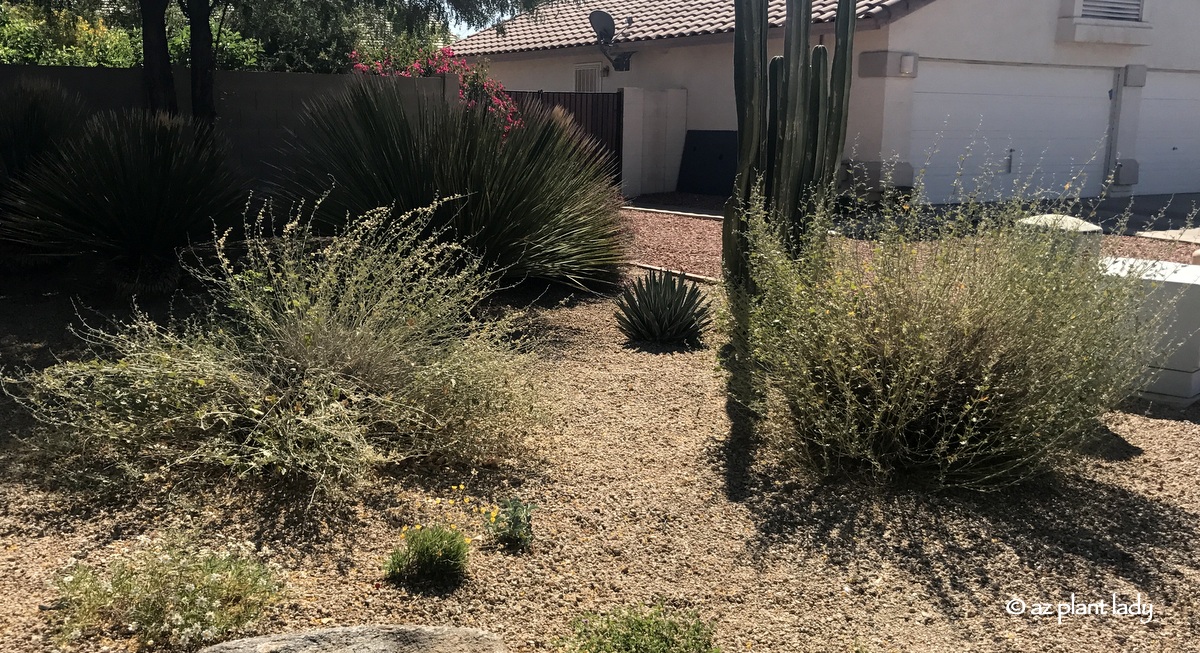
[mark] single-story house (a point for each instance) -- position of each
(1054, 91)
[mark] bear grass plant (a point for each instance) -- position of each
(535, 202)
(663, 307)
(640, 629)
(316, 360)
(167, 594)
(954, 348)
(436, 555)
(131, 188)
(35, 115)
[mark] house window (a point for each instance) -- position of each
(587, 78)
(1112, 9)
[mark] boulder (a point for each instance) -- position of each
(369, 639)
(1062, 223)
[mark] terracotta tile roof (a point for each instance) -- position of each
(565, 24)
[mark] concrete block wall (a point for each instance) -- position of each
(256, 111)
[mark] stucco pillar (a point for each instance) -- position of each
(654, 131)
(879, 141)
(632, 130)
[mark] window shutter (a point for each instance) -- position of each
(1113, 9)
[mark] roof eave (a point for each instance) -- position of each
(890, 15)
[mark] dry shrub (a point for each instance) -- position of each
(952, 349)
(317, 359)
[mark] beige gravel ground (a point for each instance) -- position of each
(644, 495)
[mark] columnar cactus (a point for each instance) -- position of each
(791, 117)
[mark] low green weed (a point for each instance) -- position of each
(168, 593)
(511, 524)
(641, 629)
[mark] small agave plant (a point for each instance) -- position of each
(663, 307)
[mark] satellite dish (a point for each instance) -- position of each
(604, 26)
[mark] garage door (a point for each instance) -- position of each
(1009, 126)
(1168, 143)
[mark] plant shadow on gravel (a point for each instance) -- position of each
(1156, 410)
(657, 348)
(1069, 532)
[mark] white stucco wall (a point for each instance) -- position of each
(1024, 31)
(1023, 37)
(705, 70)
(1014, 31)
(966, 39)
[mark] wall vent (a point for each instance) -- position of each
(1113, 9)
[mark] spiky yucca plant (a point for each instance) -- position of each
(536, 202)
(663, 307)
(132, 187)
(34, 116)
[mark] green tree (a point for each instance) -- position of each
(63, 37)
(232, 50)
(313, 36)
(318, 35)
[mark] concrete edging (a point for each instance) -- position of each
(699, 278)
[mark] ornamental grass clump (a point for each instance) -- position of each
(168, 594)
(953, 349)
(663, 307)
(435, 555)
(537, 201)
(34, 116)
(131, 188)
(316, 360)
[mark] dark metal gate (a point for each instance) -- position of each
(599, 114)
